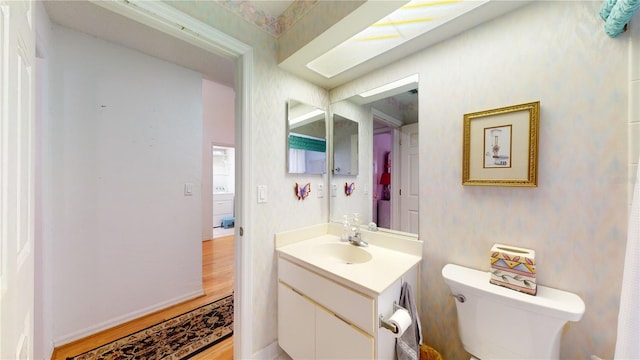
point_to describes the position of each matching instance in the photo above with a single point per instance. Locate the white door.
(409, 186)
(17, 53)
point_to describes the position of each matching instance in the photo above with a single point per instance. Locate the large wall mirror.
(389, 157)
(306, 139)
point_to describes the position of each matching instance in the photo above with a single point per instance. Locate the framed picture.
(500, 146)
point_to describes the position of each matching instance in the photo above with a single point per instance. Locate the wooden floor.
(217, 280)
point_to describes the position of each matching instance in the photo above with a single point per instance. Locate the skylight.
(409, 21)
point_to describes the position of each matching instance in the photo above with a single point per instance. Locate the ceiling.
(84, 16)
(97, 21)
(352, 24)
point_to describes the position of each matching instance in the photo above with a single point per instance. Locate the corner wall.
(634, 101)
(126, 136)
(272, 88)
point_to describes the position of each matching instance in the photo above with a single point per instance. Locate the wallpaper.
(273, 25)
(557, 53)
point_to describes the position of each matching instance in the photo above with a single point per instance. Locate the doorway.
(223, 188)
(216, 45)
(382, 155)
(395, 160)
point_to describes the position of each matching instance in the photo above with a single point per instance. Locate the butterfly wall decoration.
(349, 188)
(303, 191)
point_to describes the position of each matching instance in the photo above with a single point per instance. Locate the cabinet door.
(336, 339)
(296, 324)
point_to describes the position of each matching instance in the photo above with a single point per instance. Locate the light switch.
(320, 190)
(262, 194)
(188, 189)
(334, 190)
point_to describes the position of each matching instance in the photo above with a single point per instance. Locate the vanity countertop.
(372, 277)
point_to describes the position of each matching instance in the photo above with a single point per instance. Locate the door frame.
(394, 126)
(405, 178)
(171, 21)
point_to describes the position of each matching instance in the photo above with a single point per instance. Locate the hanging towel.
(616, 14)
(408, 345)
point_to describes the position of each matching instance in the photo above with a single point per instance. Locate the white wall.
(218, 125)
(126, 137)
(576, 219)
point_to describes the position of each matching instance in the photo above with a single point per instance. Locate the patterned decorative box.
(514, 268)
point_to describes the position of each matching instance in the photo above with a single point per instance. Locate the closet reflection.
(388, 117)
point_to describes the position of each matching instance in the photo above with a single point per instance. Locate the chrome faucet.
(356, 238)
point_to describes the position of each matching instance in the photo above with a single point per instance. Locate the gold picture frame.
(500, 146)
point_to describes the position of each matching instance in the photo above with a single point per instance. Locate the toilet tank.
(499, 323)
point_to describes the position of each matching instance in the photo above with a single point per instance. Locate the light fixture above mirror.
(404, 24)
(361, 17)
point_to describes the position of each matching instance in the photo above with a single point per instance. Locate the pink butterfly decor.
(349, 188)
(303, 191)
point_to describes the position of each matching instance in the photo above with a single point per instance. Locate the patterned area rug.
(180, 337)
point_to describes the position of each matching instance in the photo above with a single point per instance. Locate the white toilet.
(499, 323)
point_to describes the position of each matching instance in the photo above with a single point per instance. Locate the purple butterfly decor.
(303, 191)
(349, 188)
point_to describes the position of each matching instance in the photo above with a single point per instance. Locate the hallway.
(217, 282)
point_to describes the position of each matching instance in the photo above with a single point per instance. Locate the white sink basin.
(341, 253)
(369, 270)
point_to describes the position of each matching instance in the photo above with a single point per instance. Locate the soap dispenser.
(346, 229)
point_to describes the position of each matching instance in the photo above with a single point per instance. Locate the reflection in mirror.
(388, 116)
(306, 139)
(345, 146)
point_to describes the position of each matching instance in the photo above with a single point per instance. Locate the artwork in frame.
(500, 146)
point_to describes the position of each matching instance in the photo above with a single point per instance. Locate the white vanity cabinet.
(331, 294)
(310, 331)
(314, 320)
(299, 314)
(319, 318)
(337, 339)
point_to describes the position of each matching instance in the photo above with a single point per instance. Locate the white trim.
(395, 178)
(389, 120)
(124, 318)
(170, 20)
(395, 125)
(243, 258)
(269, 352)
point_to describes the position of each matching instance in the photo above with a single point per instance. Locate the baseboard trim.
(91, 330)
(49, 351)
(269, 352)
